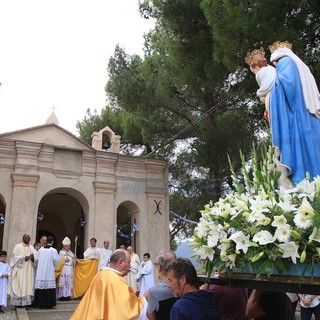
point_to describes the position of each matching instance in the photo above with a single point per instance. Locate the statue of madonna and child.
(292, 101)
(259, 228)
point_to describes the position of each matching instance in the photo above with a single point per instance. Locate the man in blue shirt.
(194, 304)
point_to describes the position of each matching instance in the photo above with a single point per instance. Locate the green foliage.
(224, 135)
(89, 124)
(239, 26)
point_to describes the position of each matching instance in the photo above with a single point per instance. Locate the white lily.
(221, 209)
(317, 182)
(290, 250)
(241, 202)
(259, 205)
(254, 216)
(202, 229)
(286, 205)
(230, 260)
(264, 221)
(315, 235)
(213, 237)
(205, 252)
(306, 188)
(263, 237)
(279, 221)
(242, 241)
(224, 247)
(306, 208)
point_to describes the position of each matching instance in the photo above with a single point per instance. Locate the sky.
(54, 54)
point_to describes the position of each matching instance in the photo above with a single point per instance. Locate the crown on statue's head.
(280, 44)
(255, 55)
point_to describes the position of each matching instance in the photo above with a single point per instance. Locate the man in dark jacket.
(194, 304)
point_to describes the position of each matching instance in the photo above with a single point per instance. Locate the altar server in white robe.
(45, 284)
(145, 274)
(93, 252)
(5, 272)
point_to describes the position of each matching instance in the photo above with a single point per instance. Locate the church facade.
(53, 183)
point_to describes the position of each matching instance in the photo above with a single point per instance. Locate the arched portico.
(61, 213)
(127, 225)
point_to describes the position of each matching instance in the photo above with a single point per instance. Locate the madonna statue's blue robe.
(295, 131)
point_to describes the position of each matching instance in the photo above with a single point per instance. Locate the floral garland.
(261, 223)
(135, 229)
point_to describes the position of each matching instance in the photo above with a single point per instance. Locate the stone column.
(105, 187)
(105, 213)
(157, 200)
(23, 215)
(157, 219)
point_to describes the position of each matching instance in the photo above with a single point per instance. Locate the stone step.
(62, 311)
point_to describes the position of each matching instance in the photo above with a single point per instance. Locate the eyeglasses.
(156, 264)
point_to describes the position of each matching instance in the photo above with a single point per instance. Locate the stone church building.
(55, 184)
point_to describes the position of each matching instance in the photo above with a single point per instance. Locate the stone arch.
(128, 216)
(62, 212)
(2, 218)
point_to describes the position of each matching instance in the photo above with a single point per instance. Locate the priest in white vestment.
(22, 265)
(134, 268)
(105, 254)
(145, 274)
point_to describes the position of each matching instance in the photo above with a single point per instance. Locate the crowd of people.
(177, 295)
(32, 280)
(37, 275)
(124, 287)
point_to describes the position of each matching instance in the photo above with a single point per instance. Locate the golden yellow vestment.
(59, 268)
(84, 272)
(108, 298)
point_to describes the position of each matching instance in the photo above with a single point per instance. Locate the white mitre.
(66, 241)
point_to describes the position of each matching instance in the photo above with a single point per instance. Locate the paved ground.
(62, 311)
(9, 313)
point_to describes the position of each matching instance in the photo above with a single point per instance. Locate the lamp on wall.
(1, 218)
(40, 216)
(82, 221)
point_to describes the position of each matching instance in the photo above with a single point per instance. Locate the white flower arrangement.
(260, 223)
